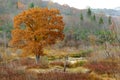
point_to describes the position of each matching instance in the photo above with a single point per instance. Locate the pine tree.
(101, 20)
(94, 17)
(81, 17)
(31, 5)
(89, 12)
(109, 20)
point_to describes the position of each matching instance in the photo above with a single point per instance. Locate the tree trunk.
(37, 58)
(65, 63)
(65, 66)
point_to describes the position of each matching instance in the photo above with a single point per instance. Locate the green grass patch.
(82, 53)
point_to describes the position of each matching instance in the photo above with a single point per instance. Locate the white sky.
(81, 4)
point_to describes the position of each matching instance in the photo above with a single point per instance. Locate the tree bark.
(65, 63)
(37, 58)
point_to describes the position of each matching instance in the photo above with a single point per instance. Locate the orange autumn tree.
(36, 28)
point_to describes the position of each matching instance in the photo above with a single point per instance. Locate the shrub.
(10, 74)
(80, 63)
(103, 67)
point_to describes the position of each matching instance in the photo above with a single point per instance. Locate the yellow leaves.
(43, 27)
(55, 11)
(18, 34)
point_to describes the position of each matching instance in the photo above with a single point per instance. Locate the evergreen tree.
(101, 20)
(94, 17)
(31, 5)
(89, 12)
(109, 20)
(81, 17)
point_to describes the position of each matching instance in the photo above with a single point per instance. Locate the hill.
(79, 29)
(111, 12)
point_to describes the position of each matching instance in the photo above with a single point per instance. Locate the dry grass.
(16, 68)
(10, 73)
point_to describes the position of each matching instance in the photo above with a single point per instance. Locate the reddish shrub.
(10, 74)
(64, 76)
(38, 66)
(27, 61)
(103, 67)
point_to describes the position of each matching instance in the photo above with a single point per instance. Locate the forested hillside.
(79, 24)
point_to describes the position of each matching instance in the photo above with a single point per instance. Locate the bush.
(80, 63)
(44, 61)
(7, 73)
(103, 67)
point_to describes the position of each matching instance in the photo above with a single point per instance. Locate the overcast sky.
(81, 4)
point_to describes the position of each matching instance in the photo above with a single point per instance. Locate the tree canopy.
(36, 28)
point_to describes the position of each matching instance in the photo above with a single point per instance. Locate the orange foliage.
(36, 28)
